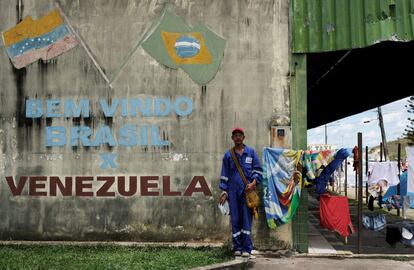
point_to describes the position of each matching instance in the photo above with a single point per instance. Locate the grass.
(107, 257)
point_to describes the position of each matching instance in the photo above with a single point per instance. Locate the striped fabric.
(44, 38)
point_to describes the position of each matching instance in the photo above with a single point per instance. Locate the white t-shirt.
(387, 170)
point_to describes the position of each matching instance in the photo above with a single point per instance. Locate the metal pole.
(339, 178)
(380, 152)
(19, 7)
(384, 139)
(399, 174)
(346, 177)
(366, 173)
(360, 193)
(326, 135)
(356, 183)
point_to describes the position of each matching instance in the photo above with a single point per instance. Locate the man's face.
(238, 138)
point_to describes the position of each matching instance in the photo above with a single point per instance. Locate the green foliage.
(409, 131)
(107, 257)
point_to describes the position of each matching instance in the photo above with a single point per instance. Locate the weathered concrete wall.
(250, 90)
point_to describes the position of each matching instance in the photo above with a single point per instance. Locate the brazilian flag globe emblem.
(197, 50)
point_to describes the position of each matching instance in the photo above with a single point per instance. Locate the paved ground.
(372, 242)
(325, 263)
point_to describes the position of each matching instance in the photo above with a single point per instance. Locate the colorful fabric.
(44, 38)
(196, 50)
(393, 190)
(334, 214)
(319, 166)
(282, 184)
(393, 202)
(315, 162)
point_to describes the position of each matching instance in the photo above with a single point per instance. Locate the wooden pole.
(380, 152)
(366, 173)
(384, 139)
(360, 193)
(346, 177)
(339, 178)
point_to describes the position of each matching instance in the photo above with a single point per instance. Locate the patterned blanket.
(282, 184)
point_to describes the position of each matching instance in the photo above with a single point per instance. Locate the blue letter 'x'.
(108, 161)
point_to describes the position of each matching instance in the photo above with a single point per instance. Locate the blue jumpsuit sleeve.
(257, 171)
(224, 178)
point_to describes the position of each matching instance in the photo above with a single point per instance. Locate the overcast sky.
(343, 133)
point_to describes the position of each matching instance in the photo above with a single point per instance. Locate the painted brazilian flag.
(196, 50)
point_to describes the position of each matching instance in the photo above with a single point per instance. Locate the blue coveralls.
(232, 183)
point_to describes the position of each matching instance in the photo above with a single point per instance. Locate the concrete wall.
(250, 90)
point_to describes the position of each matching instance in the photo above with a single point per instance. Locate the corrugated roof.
(329, 25)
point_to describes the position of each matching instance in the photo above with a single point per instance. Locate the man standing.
(234, 189)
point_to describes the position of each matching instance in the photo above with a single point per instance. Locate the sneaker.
(245, 254)
(237, 253)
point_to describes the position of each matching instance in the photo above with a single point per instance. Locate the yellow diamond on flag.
(186, 48)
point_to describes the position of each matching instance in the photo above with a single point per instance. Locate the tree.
(409, 131)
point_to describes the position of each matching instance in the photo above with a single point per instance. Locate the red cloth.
(356, 159)
(334, 214)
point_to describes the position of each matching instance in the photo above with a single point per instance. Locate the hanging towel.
(282, 184)
(334, 214)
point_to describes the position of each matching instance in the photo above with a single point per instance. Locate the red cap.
(237, 129)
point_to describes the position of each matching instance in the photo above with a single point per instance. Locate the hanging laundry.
(377, 191)
(374, 221)
(282, 184)
(387, 171)
(371, 203)
(393, 190)
(321, 165)
(393, 202)
(382, 175)
(334, 214)
(356, 159)
(315, 162)
(410, 174)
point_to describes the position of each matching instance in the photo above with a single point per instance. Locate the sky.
(343, 133)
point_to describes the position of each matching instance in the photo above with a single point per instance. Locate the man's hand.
(250, 187)
(223, 197)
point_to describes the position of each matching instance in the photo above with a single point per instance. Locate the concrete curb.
(117, 243)
(358, 256)
(236, 264)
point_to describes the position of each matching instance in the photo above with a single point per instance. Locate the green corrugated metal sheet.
(329, 25)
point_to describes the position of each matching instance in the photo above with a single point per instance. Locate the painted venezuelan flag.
(44, 38)
(186, 48)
